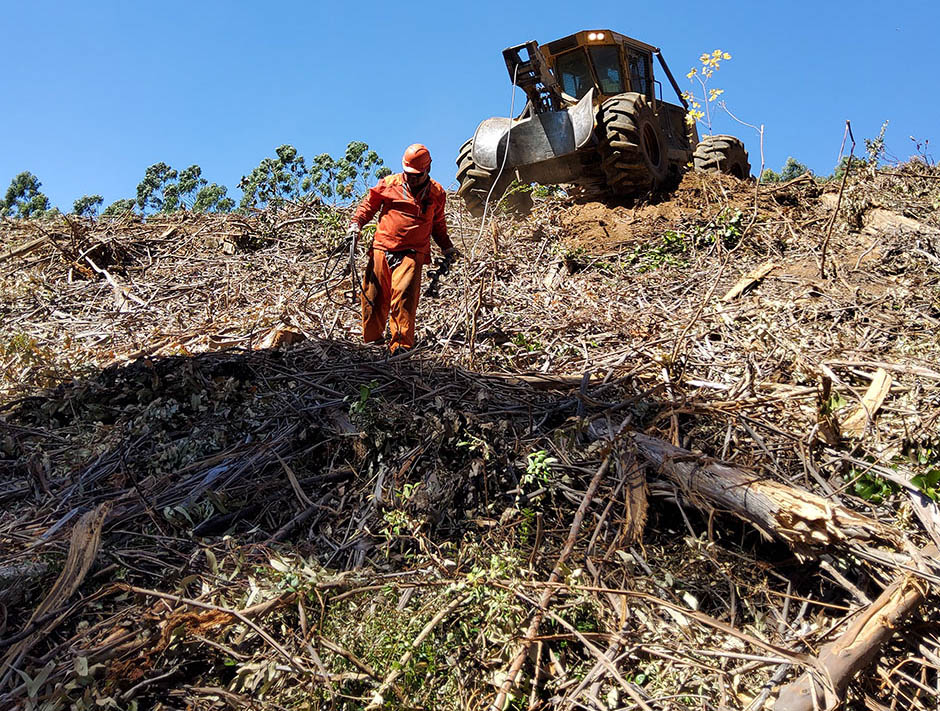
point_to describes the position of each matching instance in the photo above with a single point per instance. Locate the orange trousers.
(391, 295)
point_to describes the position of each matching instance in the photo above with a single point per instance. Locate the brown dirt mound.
(598, 227)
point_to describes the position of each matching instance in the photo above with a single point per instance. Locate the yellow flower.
(726, 56)
(717, 54)
(692, 73)
(703, 58)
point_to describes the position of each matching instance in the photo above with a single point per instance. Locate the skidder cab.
(595, 119)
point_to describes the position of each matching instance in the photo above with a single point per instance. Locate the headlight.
(592, 36)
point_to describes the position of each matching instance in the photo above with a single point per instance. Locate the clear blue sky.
(93, 92)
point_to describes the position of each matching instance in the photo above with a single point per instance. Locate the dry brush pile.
(667, 455)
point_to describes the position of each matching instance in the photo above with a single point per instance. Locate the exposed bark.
(86, 539)
(805, 522)
(16, 579)
(856, 648)
(801, 519)
(24, 249)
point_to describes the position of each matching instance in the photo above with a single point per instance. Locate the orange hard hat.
(417, 159)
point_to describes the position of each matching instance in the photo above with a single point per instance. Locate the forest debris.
(748, 280)
(24, 249)
(555, 275)
(802, 519)
(189, 443)
(281, 336)
(878, 220)
(516, 666)
(86, 537)
(636, 501)
(839, 661)
(15, 579)
(856, 423)
(378, 698)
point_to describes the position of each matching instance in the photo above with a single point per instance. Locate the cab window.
(574, 74)
(640, 74)
(606, 60)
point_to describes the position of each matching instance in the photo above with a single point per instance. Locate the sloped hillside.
(649, 456)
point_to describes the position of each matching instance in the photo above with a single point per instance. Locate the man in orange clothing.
(411, 211)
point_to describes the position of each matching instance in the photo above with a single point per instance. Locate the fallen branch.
(856, 648)
(86, 539)
(802, 519)
(24, 248)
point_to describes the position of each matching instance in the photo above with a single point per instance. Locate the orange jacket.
(406, 222)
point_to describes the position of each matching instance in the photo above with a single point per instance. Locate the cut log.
(795, 516)
(805, 522)
(856, 648)
(24, 248)
(16, 579)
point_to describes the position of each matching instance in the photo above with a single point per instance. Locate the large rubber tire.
(476, 181)
(722, 154)
(631, 144)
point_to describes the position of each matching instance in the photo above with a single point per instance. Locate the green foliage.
(119, 208)
(20, 343)
(927, 459)
(834, 403)
(727, 228)
(875, 147)
(529, 343)
(343, 180)
(875, 150)
(928, 483)
(669, 252)
(23, 198)
(546, 191)
(538, 468)
(397, 523)
(87, 205)
(187, 187)
(871, 487)
(274, 181)
(506, 205)
(213, 198)
(791, 170)
(151, 191)
(361, 406)
(163, 189)
(856, 163)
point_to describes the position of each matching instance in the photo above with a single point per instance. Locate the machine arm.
(672, 79)
(533, 76)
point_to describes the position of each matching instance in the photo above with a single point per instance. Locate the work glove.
(452, 254)
(352, 233)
